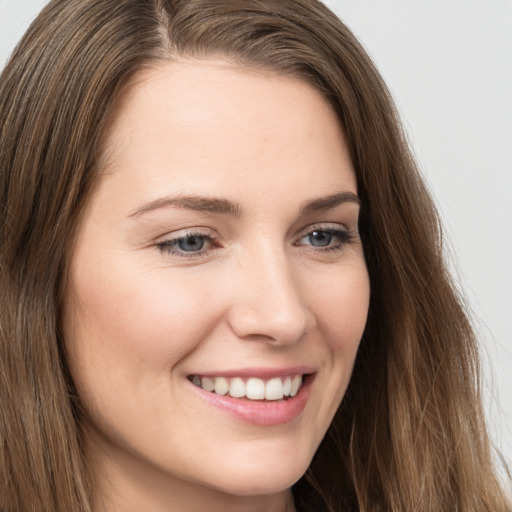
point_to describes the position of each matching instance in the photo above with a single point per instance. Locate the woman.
(222, 274)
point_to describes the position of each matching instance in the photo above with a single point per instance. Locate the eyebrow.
(329, 202)
(198, 203)
(225, 207)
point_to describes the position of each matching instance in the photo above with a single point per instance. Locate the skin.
(140, 319)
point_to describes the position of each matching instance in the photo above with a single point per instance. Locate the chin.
(247, 480)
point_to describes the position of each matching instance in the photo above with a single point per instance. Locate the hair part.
(410, 433)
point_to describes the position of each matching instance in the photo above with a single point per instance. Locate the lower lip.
(264, 413)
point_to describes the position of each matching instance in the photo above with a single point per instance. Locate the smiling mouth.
(253, 388)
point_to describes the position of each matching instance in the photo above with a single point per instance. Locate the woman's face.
(220, 249)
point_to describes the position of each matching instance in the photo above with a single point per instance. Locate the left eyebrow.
(326, 203)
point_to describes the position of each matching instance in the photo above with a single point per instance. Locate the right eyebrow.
(197, 203)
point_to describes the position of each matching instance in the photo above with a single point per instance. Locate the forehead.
(192, 123)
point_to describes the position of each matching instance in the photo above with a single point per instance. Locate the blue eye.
(191, 243)
(320, 238)
(324, 239)
(188, 245)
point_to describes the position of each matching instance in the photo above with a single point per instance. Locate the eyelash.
(170, 246)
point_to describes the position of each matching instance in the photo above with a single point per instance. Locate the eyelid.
(183, 233)
(325, 226)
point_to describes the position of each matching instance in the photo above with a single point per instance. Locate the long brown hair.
(409, 434)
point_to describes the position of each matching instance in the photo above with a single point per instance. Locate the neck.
(134, 500)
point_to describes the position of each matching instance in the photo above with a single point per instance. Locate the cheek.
(127, 330)
(126, 333)
(134, 314)
(341, 308)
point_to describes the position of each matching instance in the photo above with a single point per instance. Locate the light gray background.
(449, 66)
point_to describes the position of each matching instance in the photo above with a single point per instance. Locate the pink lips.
(262, 412)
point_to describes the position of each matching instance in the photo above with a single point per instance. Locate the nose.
(268, 301)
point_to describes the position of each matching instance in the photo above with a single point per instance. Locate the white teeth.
(254, 388)
(237, 387)
(287, 386)
(221, 386)
(274, 389)
(207, 384)
(296, 383)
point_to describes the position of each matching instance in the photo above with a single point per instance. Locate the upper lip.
(261, 373)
